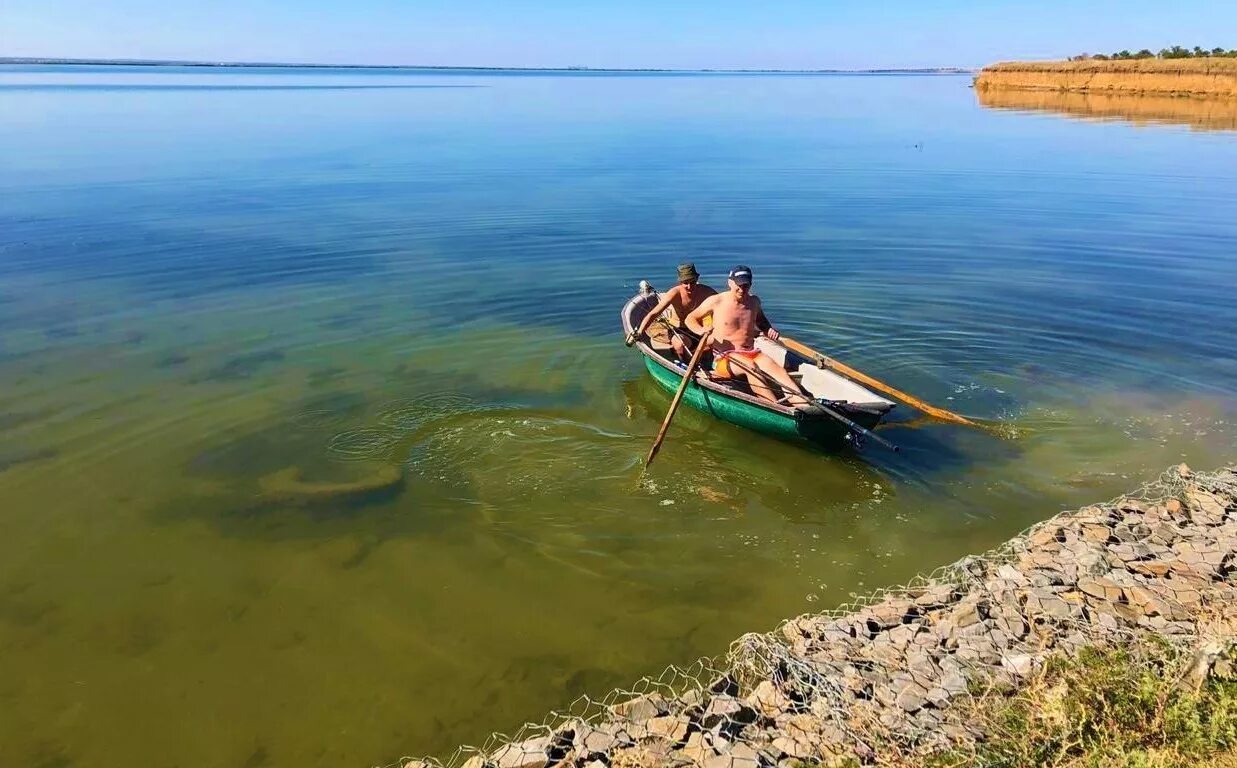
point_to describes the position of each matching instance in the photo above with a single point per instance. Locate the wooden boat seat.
(827, 385)
(822, 383)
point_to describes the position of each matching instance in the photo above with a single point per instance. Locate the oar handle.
(678, 396)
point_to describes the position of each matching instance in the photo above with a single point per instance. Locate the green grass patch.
(1111, 708)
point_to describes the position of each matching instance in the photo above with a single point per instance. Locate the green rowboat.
(841, 404)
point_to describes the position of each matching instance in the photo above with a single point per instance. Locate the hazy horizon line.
(319, 65)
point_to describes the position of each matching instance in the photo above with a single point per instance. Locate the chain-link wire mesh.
(881, 679)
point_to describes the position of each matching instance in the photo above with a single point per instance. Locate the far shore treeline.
(1176, 52)
(1210, 76)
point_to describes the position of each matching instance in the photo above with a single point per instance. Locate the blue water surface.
(226, 294)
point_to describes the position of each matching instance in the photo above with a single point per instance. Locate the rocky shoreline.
(890, 678)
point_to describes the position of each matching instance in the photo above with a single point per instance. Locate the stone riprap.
(887, 678)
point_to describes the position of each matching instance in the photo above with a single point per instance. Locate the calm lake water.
(225, 293)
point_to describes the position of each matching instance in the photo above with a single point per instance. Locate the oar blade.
(678, 396)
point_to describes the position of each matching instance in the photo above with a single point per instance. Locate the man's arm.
(762, 322)
(653, 314)
(695, 320)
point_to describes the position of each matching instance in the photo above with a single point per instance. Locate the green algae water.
(319, 444)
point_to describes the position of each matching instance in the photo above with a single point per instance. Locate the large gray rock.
(1046, 603)
(883, 652)
(1009, 573)
(1100, 588)
(1131, 531)
(1206, 508)
(912, 697)
(1018, 664)
(739, 756)
(970, 610)
(589, 741)
(670, 727)
(726, 709)
(1090, 561)
(935, 596)
(922, 667)
(692, 698)
(890, 613)
(901, 636)
(797, 748)
(1133, 551)
(525, 754)
(768, 700)
(1045, 535)
(699, 747)
(1095, 533)
(642, 707)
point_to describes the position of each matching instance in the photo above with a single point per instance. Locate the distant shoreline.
(1207, 77)
(285, 65)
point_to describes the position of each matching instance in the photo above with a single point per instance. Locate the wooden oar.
(674, 404)
(846, 370)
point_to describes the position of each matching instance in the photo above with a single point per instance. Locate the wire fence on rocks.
(882, 678)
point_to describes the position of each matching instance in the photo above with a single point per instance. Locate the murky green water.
(225, 303)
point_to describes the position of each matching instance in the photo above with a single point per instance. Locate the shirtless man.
(684, 297)
(737, 320)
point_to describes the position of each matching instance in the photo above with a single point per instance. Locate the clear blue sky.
(617, 33)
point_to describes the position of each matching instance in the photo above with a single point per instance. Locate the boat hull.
(842, 410)
(822, 430)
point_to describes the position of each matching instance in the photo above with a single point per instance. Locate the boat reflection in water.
(1203, 114)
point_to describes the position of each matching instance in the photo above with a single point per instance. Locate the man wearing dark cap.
(682, 298)
(737, 320)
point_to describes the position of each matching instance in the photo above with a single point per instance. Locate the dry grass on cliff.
(1126, 707)
(1199, 66)
(1211, 77)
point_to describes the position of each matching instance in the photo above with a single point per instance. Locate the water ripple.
(363, 443)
